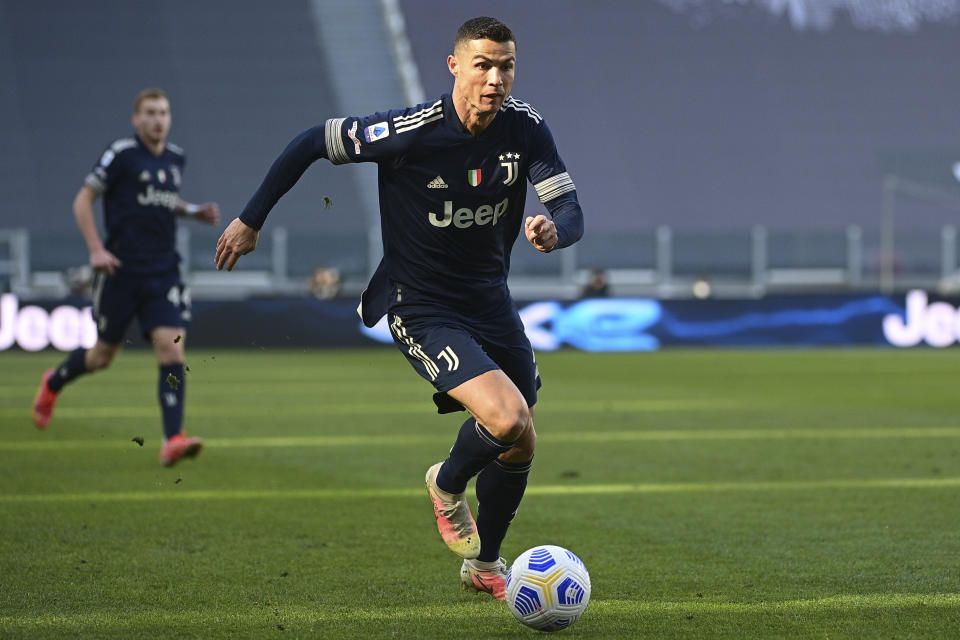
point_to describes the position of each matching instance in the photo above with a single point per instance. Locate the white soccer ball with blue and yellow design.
(548, 588)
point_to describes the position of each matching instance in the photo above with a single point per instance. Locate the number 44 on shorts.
(448, 356)
(179, 296)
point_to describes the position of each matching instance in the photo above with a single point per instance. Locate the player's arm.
(240, 236)
(100, 258)
(208, 212)
(561, 229)
(336, 140)
(556, 191)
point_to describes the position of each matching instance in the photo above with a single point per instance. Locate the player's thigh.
(165, 302)
(441, 351)
(494, 400)
(115, 302)
(507, 345)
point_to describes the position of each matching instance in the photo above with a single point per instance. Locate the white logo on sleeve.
(376, 132)
(107, 158)
(352, 134)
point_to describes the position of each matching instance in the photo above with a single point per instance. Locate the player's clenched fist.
(236, 240)
(541, 232)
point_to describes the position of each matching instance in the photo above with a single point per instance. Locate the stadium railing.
(663, 262)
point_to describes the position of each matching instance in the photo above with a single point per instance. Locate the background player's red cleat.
(179, 446)
(43, 403)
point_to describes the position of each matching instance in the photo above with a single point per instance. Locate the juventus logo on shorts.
(453, 362)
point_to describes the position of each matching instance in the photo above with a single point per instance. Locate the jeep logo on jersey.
(466, 217)
(159, 197)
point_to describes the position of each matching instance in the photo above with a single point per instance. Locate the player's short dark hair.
(149, 94)
(483, 28)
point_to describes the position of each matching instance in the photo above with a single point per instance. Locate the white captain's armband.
(554, 186)
(336, 150)
(97, 180)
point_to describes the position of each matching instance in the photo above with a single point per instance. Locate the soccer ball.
(548, 588)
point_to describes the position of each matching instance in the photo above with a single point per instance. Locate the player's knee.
(169, 356)
(99, 359)
(510, 423)
(523, 450)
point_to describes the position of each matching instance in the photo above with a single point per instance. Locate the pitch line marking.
(171, 493)
(147, 410)
(545, 437)
(299, 614)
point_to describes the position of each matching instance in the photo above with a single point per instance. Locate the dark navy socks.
(170, 392)
(69, 369)
(474, 449)
(500, 488)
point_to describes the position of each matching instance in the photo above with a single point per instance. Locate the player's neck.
(472, 120)
(155, 147)
(475, 123)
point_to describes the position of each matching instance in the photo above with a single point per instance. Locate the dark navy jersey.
(140, 191)
(451, 203)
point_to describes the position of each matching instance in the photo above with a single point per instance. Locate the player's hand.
(103, 260)
(236, 240)
(541, 232)
(209, 212)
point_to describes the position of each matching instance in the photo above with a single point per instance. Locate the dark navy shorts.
(448, 349)
(156, 301)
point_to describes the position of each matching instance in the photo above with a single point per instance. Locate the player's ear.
(452, 65)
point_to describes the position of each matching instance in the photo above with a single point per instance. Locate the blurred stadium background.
(754, 173)
(749, 150)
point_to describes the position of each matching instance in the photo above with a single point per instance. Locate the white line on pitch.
(545, 437)
(174, 493)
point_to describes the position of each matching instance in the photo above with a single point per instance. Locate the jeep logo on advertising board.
(937, 323)
(32, 328)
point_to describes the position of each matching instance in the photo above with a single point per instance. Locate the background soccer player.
(137, 270)
(452, 188)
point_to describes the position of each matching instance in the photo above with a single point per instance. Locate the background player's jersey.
(451, 203)
(140, 191)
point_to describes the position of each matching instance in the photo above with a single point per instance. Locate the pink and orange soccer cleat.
(454, 520)
(43, 402)
(485, 577)
(179, 446)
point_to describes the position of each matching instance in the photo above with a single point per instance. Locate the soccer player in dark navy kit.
(452, 180)
(137, 270)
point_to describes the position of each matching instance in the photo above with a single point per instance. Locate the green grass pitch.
(711, 494)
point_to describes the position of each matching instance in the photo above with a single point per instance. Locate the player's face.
(484, 73)
(152, 120)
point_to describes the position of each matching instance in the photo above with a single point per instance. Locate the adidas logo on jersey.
(437, 183)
